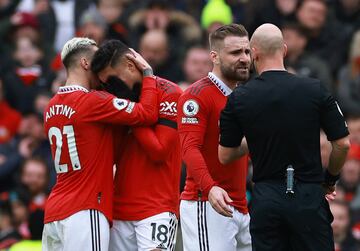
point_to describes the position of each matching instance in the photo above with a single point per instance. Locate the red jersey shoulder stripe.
(198, 86)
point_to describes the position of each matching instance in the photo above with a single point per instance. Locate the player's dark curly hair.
(109, 53)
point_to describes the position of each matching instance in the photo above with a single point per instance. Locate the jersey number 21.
(74, 157)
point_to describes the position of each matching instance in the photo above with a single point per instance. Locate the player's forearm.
(150, 142)
(148, 102)
(338, 155)
(197, 168)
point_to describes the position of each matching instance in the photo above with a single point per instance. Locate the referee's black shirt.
(281, 115)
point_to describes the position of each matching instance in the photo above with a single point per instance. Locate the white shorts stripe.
(80, 231)
(203, 229)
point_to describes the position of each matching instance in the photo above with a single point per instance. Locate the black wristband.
(330, 179)
(148, 72)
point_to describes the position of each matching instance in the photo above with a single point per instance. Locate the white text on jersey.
(59, 110)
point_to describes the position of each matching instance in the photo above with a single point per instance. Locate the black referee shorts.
(284, 222)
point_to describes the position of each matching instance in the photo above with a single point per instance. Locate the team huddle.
(143, 132)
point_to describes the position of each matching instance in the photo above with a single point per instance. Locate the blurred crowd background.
(323, 39)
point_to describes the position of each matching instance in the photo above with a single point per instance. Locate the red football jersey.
(78, 125)
(198, 120)
(148, 172)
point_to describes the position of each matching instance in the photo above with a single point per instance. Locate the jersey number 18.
(74, 157)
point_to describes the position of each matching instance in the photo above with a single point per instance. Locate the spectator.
(181, 29)
(215, 14)
(93, 25)
(303, 63)
(67, 14)
(41, 101)
(350, 175)
(343, 238)
(354, 129)
(30, 142)
(35, 227)
(19, 201)
(348, 13)
(197, 64)
(59, 80)
(277, 12)
(8, 233)
(9, 119)
(28, 77)
(35, 177)
(154, 47)
(8, 7)
(327, 39)
(112, 11)
(19, 25)
(349, 80)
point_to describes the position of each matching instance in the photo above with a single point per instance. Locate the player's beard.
(120, 89)
(230, 72)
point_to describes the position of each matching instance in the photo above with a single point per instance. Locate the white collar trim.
(219, 84)
(71, 88)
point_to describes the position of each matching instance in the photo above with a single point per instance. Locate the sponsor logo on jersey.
(186, 120)
(168, 108)
(190, 108)
(120, 103)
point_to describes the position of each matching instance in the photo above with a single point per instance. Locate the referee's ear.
(254, 54)
(285, 50)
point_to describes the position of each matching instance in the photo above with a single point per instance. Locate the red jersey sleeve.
(104, 107)
(157, 140)
(192, 122)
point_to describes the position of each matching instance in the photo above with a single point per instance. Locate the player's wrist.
(148, 72)
(330, 179)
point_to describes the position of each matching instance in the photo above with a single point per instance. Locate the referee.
(281, 114)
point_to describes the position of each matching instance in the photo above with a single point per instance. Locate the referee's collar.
(219, 84)
(71, 88)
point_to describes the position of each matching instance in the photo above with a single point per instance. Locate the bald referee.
(281, 114)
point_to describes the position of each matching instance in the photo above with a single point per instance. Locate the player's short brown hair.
(217, 37)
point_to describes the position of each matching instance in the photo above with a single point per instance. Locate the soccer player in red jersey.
(146, 198)
(225, 224)
(78, 123)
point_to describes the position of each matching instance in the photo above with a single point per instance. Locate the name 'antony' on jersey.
(65, 110)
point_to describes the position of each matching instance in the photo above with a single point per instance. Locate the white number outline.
(73, 153)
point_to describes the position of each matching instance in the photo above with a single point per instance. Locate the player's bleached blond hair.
(74, 46)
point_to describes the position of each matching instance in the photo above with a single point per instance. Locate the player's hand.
(139, 61)
(219, 200)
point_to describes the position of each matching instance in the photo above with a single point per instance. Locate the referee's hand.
(330, 192)
(219, 200)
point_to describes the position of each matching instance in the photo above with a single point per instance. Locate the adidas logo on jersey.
(161, 246)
